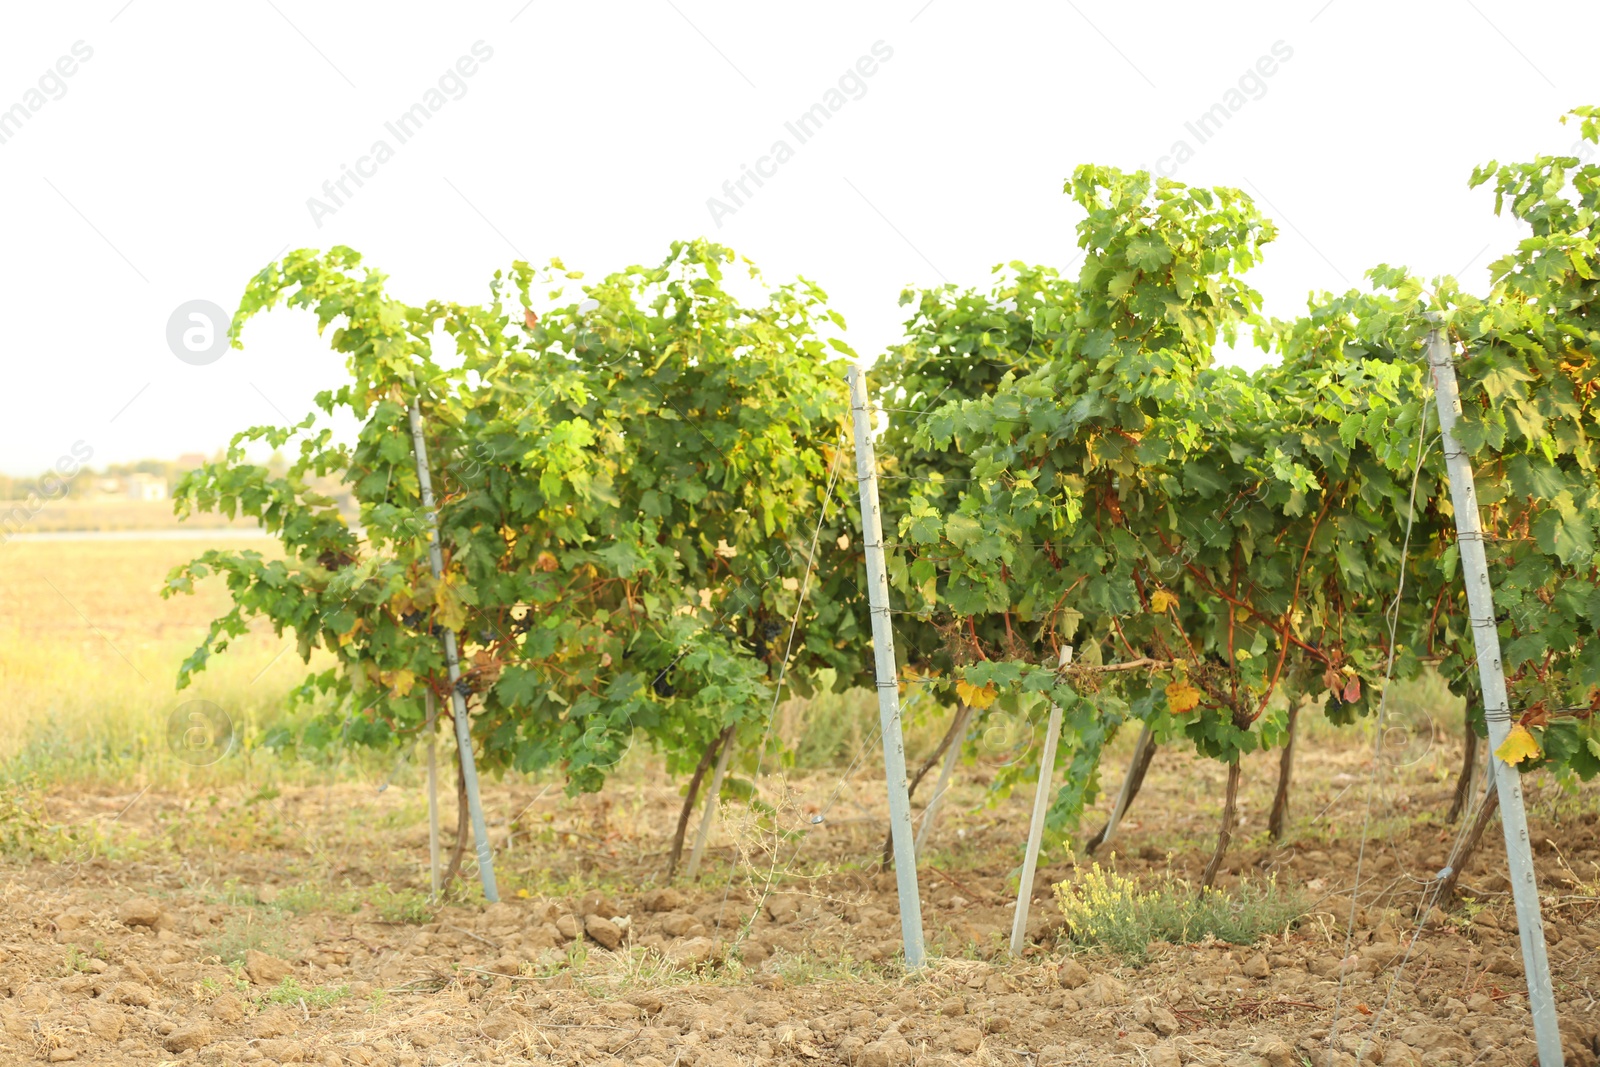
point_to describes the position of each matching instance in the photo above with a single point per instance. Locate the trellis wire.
(783, 666)
(1383, 703)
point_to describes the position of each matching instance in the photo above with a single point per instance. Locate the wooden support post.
(952, 756)
(430, 727)
(709, 815)
(1144, 750)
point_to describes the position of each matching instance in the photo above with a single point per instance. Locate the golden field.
(116, 514)
(89, 655)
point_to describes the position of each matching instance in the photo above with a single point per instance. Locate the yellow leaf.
(974, 696)
(450, 611)
(1161, 600)
(1518, 746)
(1182, 697)
(401, 681)
(348, 636)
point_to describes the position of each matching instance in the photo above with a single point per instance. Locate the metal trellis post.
(888, 684)
(1041, 805)
(458, 703)
(1496, 705)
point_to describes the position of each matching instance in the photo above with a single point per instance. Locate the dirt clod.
(264, 969)
(105, 1023)
(1157, 1018)
(680, 924)
(891, 1050)
(966, 1039)
(692, 952)
(1163, 1055)
(191, 1035)
(282, 1050)
(1429, 1038)
(500, 1025)
(139, 911)
(603, 930)
(666, 899)
(1102, 991)
(1274, 1051)
(133, 994)
(1072, 974)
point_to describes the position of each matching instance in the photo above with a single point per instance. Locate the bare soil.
(785, 951)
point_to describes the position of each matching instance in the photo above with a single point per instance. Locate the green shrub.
(24, 831)
(1107, 910)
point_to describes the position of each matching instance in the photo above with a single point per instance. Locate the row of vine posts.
(1096, 520)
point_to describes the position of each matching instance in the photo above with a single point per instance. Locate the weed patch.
(292, 992)
(401, 905)
(262, 931)
(1106, 910)
(24, 832)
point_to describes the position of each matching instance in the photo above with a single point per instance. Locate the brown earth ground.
(116, 949)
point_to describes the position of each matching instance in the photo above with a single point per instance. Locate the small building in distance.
(145, 487)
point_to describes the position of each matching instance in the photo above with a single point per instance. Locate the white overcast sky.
(178, 159)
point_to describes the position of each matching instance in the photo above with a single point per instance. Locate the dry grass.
(116, 514)
(89, 654)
